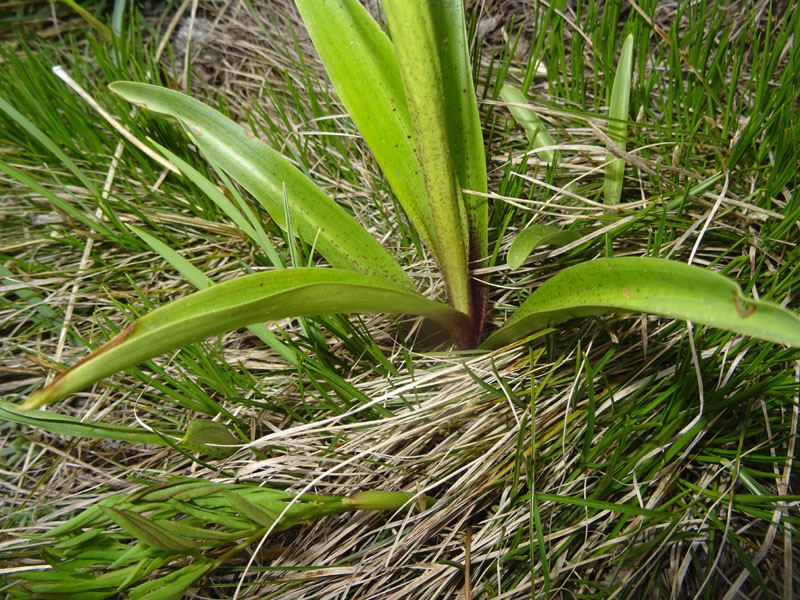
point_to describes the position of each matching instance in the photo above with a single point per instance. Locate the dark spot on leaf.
(743, 308)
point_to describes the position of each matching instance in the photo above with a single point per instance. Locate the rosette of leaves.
(420, 120)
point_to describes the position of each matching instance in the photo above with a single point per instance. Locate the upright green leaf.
(362, 65)
(416, 47)
(465, 138)
(250, 299)
(648, 285)
(263, 172)
(618, 121)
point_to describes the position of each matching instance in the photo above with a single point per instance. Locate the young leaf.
(210, 438)
(648, 285)
(416, 47)
(534, 236)
(264, 173)
(534, 127)
(253, 298)
(618, 121)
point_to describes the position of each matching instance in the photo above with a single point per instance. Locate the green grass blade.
(416, 47)
(358, 56)
(648, 285)
(66, 425)
(534, 236)
(250, 299)
(217, 197)
(60, 204)
(618, 121)
(263, 172)
(535, 129)
(48, 143)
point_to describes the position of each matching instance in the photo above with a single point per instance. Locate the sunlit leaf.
(267, 296)
(648, 285)
(416, 47)
(264, 173)
(534, 236)
(358, 56)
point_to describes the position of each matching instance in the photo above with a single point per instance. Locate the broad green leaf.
(416, 48)
(618, 121)
(202, 281)
(648, 285)
(465, 138)
(534, 127)
(66, 425)
(250, 299)
(361, 63)
(264, 173)
(534, 236)
(202, 432)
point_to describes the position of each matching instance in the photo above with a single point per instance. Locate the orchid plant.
(420, 119)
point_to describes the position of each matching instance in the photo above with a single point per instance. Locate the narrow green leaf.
(600, 505)
(416, 47)
(104, 31)
(648, 285)
(217, 197)
(358, 56)
(535, 129)
(618, 121)
(210, 438)
(264, 173)
(253, 298)
(534, 236)
(60, 204)
(174, 585)
(465, 138)
(150, 532)
(66, 425)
